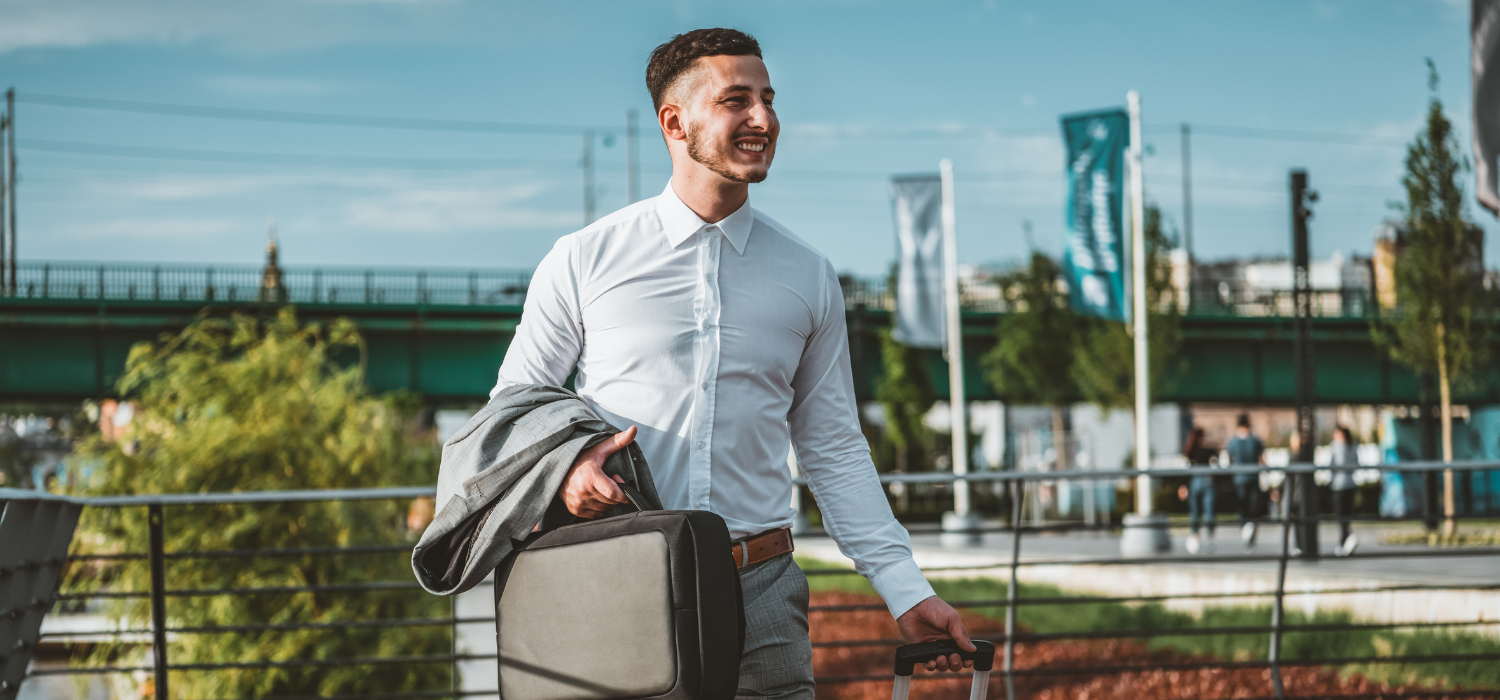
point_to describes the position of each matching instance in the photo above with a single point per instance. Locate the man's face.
(730, 123)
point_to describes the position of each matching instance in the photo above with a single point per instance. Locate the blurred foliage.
(1032, 360)
(1439, 267)
(1104, 364)
(242, 404)
(906, 394)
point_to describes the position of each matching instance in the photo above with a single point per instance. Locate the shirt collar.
(680, 222)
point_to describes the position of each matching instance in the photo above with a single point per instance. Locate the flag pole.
(961, 519)
(1143, 504)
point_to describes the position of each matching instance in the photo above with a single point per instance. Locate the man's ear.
(672, 124)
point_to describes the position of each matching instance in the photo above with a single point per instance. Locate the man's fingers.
(959, 634)
(607, 492)
(622, 439)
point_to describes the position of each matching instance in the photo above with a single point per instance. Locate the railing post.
(1278, 607)
(156, 283)
(453, 644)
(1017, 488)
(473, 287)
(158, 600)
(101, 283)
(46, 280)
(368, 275)
(209, 289)
(317, 285)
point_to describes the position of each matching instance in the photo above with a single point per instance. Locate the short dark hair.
(1243, 422)
(670, 60)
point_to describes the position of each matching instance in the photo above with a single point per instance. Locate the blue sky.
(865, 90)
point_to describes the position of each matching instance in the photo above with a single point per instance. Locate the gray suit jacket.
(500, 475)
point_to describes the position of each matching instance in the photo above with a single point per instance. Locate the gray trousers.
(777, 662)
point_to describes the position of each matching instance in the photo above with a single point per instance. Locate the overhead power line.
(1256, 133)
(312, 118)
(242, 157)
(813, 131)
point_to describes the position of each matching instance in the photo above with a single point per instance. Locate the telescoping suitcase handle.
(910, 655)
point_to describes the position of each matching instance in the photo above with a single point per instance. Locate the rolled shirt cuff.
(902, 585)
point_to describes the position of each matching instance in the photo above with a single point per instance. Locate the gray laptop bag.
(642, 605)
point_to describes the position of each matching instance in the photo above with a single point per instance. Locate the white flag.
(1485, 24)
(920, 314)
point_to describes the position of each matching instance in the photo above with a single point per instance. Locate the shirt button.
(700, 444)
(705, 386)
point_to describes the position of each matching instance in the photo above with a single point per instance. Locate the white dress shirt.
(725, 344)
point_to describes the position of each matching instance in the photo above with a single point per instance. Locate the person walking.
(718, 336)
(1246, 449)
(1342, 454)
(1200, 490)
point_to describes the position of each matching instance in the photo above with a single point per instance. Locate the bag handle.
(910, 655)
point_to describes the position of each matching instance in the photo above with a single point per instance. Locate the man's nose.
(761, 117)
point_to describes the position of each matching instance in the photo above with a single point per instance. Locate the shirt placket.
(707, 364)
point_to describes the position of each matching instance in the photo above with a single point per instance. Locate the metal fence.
(162, 591)
(247, 283)
(349, 285)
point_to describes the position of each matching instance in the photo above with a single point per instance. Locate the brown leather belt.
(758, 548)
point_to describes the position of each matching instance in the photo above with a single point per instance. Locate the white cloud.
(456, 208)
(153, 229)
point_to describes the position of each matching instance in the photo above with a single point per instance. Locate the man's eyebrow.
(746, 88)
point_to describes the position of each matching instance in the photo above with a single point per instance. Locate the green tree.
(1032, 361)
(905, 392)
(1104, 365)
(1438, 275)
(241, 404)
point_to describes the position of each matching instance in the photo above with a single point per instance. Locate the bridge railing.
(352, 285)
(248, 283)
(89, 583)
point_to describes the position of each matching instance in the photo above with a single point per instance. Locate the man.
(1245, 449)
(719, 338)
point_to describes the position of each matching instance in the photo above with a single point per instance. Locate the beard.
(717, 161)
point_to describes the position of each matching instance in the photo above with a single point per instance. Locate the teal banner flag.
(1094, 251)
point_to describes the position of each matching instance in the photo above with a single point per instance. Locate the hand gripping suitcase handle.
(910, 655)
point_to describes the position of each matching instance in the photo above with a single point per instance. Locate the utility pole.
(1306, 496)
(10, 180)
(4, 196)
(1187, 197)
(632, 159)
(588, 178)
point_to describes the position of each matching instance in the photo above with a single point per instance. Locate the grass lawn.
(1088, 617)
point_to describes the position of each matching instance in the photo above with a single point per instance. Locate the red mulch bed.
(1146, 685)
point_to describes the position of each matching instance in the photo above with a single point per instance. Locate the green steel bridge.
(67, 328)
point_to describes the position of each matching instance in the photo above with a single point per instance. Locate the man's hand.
(930, 621)
(586, 491)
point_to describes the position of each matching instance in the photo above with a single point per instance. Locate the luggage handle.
(910, 655)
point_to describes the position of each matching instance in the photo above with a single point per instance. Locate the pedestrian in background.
(1200, 489)
(1342, 454)
(1246, 449)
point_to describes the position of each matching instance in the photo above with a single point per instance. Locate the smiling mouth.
(751, 147)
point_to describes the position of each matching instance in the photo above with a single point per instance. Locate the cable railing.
(90, 586)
